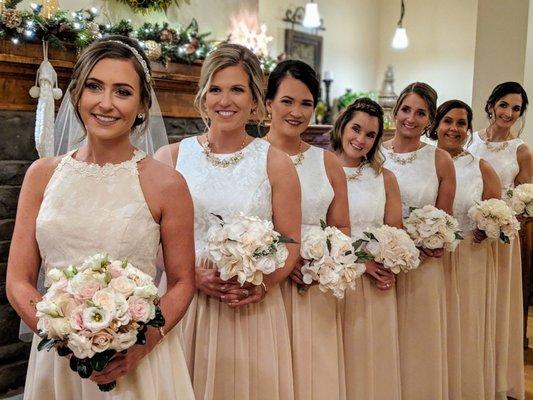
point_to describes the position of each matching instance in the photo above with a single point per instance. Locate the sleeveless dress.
(314, 316)
(88, 209)
(475, 270)
(421, 294)
(231, 353)
(509, 301)
(370, 322)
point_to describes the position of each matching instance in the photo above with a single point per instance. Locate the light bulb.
(400, 41)
(311, 16)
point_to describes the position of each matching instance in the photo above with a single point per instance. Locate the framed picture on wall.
(304, 47)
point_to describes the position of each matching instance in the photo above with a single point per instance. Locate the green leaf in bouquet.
(84, 368)
(411, 209)
(73, 363)
(286, 239)
(158, 320)
(509, 193)
(323, 224)
(46, 344)
(63, 351)
(100, 360)
(328, 244)
(504, 238)
(107, 387)
(357, 244)
(458, 235)
(363, 256)
(141, 338)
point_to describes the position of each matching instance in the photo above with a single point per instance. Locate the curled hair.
(298, 70)
(370, 107)
(444, 109)
(503, 89)
(108, 48)
(228, 55)
(426, 92)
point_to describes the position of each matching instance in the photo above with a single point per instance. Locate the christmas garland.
(149, 6)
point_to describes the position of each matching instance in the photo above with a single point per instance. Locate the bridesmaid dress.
(509, 301)
(241, 353)
(314, 316)
(421, 294)
(370, 321)
(89, 209)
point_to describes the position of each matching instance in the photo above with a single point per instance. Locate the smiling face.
(110, 99)
(507, 110)
(452, 131)
(292, 107)
(359, 135)
(412, 116)
(229, 100)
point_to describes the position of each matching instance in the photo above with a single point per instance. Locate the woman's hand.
(425, 253)
(479, 235)
(382, 277)
(208, 281)
(256, 294)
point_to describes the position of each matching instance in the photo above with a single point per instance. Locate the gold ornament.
(2, 5)
(12, 18)
(152, 49)
(50, 7)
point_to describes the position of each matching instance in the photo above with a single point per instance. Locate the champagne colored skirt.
(161, 374)
(509, 321)
(421, 296)
(371, 349)
(243, 353)
(316, 337)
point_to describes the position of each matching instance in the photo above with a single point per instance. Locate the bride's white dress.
(88, 209)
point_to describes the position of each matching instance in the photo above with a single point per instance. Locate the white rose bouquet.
(495, 218)
(246, 247)
(96, 310)
(329, 259)
(520, 199)
(389, 246)
(432, 228)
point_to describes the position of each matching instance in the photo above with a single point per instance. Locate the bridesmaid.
(473, 261)
(316, 337)
(370, 323)
(425, 175)
(511, 158)
(236, 339)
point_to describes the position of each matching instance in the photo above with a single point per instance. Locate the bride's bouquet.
(432, 228)
(93, 311)
(520, 199)
(246, 247)
(389, 246)
(329, 259)
(495, 218)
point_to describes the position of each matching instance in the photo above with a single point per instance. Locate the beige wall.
(527, 134)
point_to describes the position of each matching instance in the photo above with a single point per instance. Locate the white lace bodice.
(469, 189)
(89, 209)
(504, 161)
(418, 181)
(317, 193)
(242, 187)
(366, 198)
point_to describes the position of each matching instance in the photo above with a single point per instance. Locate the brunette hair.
(426, 92)
(298, 70)
(444, 109)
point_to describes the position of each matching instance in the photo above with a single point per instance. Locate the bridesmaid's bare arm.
(24, 257)
(492, 187)
(446, 174)
(338, 213)
(393, 202)
(525, 161)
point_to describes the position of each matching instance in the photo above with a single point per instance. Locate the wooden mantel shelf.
(175, 85)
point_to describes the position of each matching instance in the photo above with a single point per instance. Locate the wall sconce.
(400, 40)
(308, 17)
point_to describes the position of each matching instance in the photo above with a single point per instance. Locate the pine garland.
(150, 6)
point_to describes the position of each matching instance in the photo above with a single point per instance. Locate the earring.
(140, 116)
(253, 111)
(269, 116)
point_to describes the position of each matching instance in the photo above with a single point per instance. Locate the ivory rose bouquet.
(246, 247)
(389, 246)
(520, 199)
(432, 228)
(329, 259)
(93, 311)
(495, 218)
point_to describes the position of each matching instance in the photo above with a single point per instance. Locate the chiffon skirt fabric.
(509, 321)
(240, 353)
(161, 375)
(371, 349)
(421, 297)
(316, 338)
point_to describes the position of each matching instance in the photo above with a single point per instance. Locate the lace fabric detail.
(469, 189)
(108, 169)
(242, 187)
(317, 193)
(418, 181)
(504, 162)
(366, 199)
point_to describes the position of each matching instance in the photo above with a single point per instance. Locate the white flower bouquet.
(246, 247)
(96, 310)
(520, 199)
(432, 228)
(495, 218)
(329, 259)
(389, 246)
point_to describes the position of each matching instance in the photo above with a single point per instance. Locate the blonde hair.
(370, 107)
(227, 55)
(109, 48)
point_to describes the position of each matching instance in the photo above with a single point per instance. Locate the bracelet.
(162, 334)
(264, 287)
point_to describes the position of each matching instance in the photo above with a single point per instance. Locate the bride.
(107, 196)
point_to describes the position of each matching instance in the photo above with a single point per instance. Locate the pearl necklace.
(401, 160)
(357, 173)
(218, 162)
(495, 147)
(300, 156)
